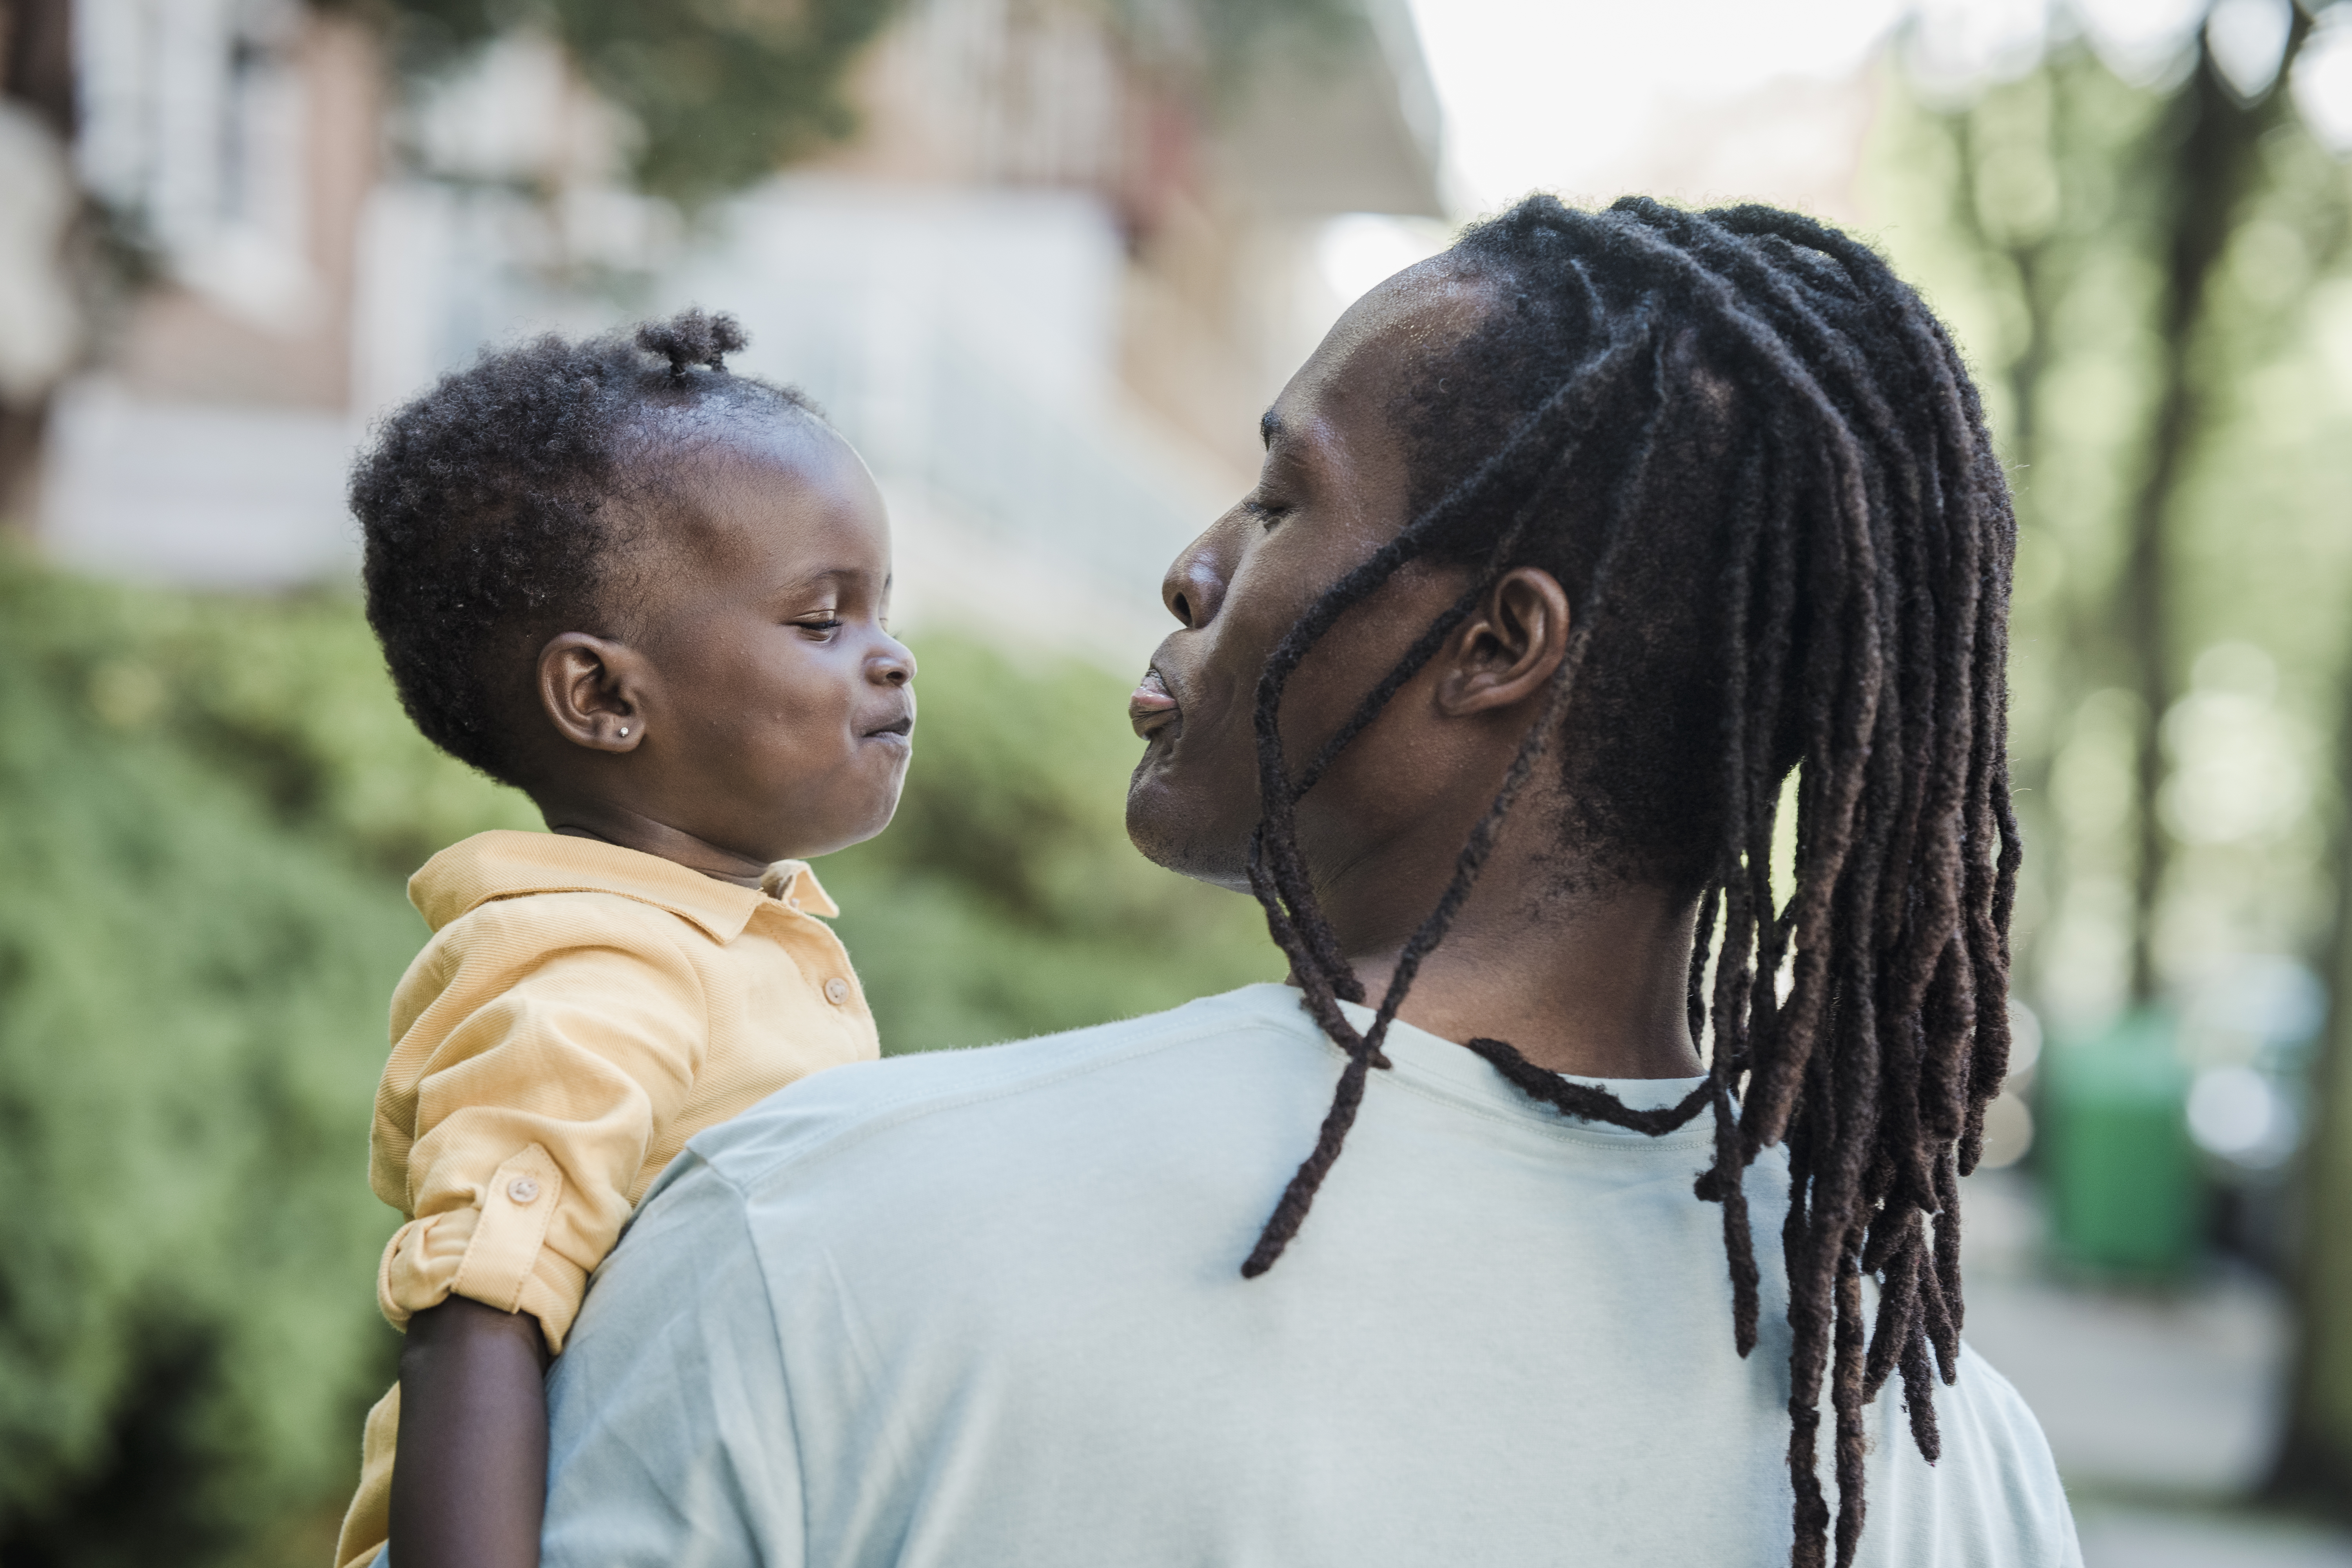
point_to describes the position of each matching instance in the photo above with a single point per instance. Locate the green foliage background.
(2181, 667)
(718, 93)
(2034, 216)
(208, 807)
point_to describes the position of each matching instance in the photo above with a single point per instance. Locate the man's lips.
(898, 729)
(1150, 708)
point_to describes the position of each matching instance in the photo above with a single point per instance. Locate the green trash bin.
(2121, 1178)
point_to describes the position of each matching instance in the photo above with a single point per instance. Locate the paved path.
(2150, 1538)
(2159, 1396)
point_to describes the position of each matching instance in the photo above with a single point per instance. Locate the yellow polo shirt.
(580, 1010)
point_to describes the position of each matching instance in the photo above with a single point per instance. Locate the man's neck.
(1592, 984)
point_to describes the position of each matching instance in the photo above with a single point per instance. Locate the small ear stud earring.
(624, 728)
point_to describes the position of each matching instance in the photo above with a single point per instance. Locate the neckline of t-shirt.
(1453, 1070)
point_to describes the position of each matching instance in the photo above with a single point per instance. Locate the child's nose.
(894, 665)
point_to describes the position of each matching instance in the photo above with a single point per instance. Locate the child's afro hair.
(483, 504)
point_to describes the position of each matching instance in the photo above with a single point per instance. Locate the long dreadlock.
(1745, 422)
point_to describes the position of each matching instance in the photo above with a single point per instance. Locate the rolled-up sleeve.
(521, 1101)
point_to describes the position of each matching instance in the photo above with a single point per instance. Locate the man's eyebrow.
(1269, 428)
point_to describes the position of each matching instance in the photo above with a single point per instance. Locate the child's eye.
(821, 624)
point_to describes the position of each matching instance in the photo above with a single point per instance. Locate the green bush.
(191, 997)
(207, 808)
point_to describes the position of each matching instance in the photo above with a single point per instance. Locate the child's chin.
(844, 834)
(885, 809)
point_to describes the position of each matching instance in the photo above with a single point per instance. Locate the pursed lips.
(1151, 708)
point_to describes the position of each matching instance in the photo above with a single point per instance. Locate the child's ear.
(589, 688)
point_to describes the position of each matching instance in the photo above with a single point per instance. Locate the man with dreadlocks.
(1571, 546)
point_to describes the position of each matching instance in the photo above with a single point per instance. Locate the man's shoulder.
(1992, 1500)
(943, 1096)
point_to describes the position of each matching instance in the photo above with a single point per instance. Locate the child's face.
(778, 709)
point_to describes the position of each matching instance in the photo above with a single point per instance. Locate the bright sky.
(1567, 95)
(1545, 94)
(1562, 94)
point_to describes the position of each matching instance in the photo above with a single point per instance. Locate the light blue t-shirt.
(985, 1307)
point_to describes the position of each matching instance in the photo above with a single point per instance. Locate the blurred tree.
(2151, 276)
(2202, 161)
(2027, 172)
(36, 78)
(189, 994)
(2315, 1460)
(1218, 43)
(37, 58)
(724, 93)
(2069, 182)
(720, 94)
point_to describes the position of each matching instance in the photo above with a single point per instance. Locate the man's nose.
(1195, 585)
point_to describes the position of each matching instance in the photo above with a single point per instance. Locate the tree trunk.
(2316, 1458)
(36, 59)
(37, 73)
(2208, 161)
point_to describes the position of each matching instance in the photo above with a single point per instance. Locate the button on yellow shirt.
(579, 1013)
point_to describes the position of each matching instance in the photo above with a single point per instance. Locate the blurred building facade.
(1047, 286)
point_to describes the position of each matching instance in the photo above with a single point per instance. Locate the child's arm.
(521, 1120)
(471, 1480)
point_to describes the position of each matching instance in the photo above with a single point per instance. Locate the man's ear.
(591, 690)
(1508, 648)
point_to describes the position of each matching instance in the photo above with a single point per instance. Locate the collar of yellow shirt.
(504, 865)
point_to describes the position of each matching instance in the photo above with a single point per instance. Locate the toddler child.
(650, 595)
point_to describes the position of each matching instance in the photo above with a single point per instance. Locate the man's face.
(1333, 490)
